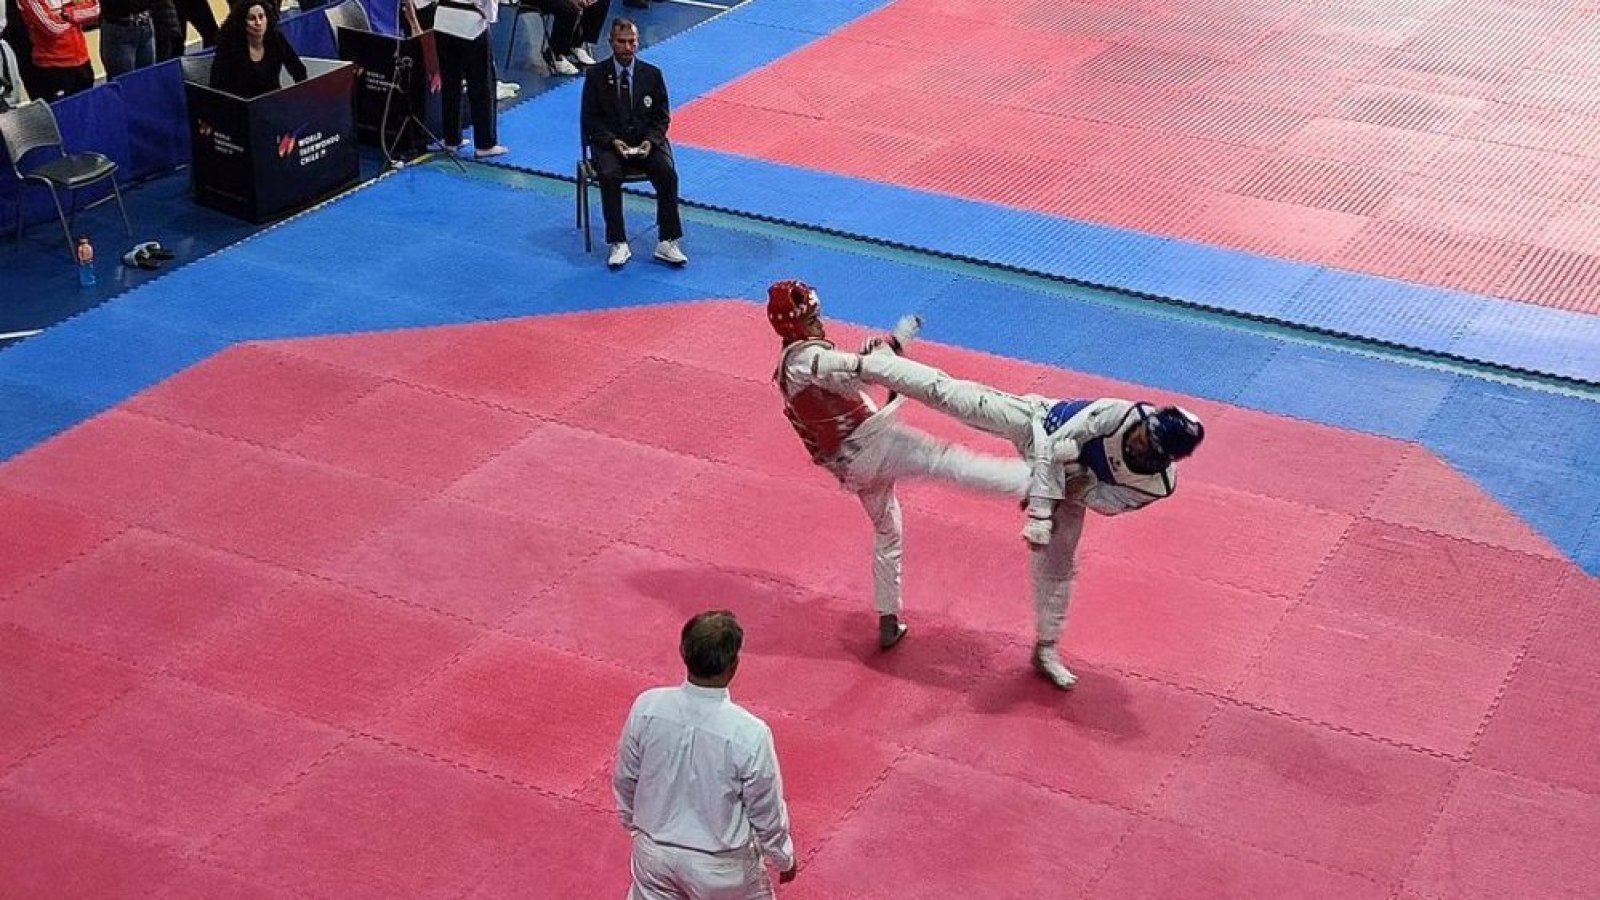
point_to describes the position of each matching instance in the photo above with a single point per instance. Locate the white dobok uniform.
(868, 449)
(1087, 435)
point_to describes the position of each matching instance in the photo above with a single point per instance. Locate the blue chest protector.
(1093, 453)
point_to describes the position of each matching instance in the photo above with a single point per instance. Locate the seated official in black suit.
(625, 118)
(252, 53)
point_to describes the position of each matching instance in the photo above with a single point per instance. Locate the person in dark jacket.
(624, 119)
(252, 53)
(198, 13)
(169, 30)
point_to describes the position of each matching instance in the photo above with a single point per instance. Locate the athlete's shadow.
(975, 671)
(788, 622)
(1104, 702)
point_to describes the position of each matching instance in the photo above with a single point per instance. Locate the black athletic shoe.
(890, 631)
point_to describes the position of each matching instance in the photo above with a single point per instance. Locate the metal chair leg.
(545, 22)
(516, 18)
(66, 229)
(583, 209)
(118, 191)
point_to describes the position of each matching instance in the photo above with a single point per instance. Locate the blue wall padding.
(158, 119)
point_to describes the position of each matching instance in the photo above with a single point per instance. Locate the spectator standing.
(462, 30)
(14, 32)
(127, 36)
(60, 53)
(169, 30)
(198, 13)
(13, 92)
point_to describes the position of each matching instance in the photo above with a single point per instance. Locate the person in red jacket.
(60, 54)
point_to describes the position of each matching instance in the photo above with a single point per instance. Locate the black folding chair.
(32, 126)
(586, 175)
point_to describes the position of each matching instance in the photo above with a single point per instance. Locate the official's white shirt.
(696, 770)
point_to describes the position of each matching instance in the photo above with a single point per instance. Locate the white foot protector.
(1048, 663)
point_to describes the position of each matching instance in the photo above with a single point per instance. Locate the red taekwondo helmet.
(791, 306)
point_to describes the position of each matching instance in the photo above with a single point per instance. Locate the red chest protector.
(822, 418)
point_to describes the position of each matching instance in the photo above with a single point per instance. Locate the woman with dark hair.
(252, 53)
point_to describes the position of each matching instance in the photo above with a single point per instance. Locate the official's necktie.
(625, 94)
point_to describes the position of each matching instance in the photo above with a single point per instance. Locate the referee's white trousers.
(662, 872)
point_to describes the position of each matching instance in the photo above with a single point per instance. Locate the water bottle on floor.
(85, 262)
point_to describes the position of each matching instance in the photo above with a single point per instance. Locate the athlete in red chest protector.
(867, 448)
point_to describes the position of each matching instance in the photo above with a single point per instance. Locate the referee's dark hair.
(710, 645)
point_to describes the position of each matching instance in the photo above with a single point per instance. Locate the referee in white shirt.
(697, 781)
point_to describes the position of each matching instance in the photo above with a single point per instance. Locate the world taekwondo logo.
(288, 142)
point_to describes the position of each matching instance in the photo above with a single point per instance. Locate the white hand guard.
(833, 363)
(1038, 531)
(906, 330)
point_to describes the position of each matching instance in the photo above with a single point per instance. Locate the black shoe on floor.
(890, 631)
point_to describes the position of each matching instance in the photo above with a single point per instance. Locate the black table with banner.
(397, 87)
(276, 154)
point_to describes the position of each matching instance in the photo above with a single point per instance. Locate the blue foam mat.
(34, 414)
(1360, 392)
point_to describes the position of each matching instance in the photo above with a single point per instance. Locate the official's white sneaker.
(1048, 663)
(620, 254)
(580, 53)
(496, 150)
(671, 252)
(563, 66)
(505, 90)
(906, 330)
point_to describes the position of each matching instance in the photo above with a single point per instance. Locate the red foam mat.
(258, 656)
(1313, 132)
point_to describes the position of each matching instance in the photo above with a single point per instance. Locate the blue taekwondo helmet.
(1175, 431)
